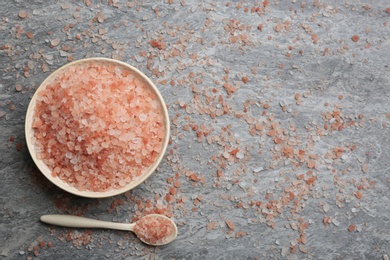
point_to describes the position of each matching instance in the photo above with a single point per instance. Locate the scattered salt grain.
(258, 169)
(18, 87)
(326, 207)
(240, 155)
(335, 222)
(229, 186)
(22, 14)
(365, 168)
(65, 6)
(284, 251)
(55, 42)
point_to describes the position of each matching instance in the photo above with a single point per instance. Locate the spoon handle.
(81, 222)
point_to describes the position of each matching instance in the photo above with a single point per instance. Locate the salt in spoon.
(140, 230)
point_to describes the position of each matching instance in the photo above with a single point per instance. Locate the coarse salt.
(154, 230)
(97, 127)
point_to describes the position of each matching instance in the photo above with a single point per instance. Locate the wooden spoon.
(81, 222)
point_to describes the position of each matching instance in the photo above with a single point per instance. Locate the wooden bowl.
(29, 131)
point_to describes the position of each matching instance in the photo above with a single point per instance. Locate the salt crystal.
(294, 226)
(37, 11)
(229, 186)
(139, 58)
(258, 169)
(48, 56)
(284, 251)
(226, 154)
(22, 14)
(240, 155)
(142, 117)
(63, 53)
(326, 207)
(335, 222)
(65, 6)
(55, 41)
(74, 161)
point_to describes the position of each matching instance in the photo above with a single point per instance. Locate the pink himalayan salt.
(153, 230)
(97, 127)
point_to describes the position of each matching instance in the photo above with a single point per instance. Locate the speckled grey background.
(324, 66)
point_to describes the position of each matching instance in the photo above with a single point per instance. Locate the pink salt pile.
(97, 127)
(154, 230)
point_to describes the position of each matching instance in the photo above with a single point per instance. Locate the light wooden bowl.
(29, 131)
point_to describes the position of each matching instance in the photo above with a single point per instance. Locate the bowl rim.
(62, 184)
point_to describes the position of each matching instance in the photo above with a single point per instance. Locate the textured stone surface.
(306, 71)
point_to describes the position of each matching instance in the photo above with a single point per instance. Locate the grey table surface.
(280, 114)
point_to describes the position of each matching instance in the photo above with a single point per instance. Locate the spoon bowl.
(81, 222)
